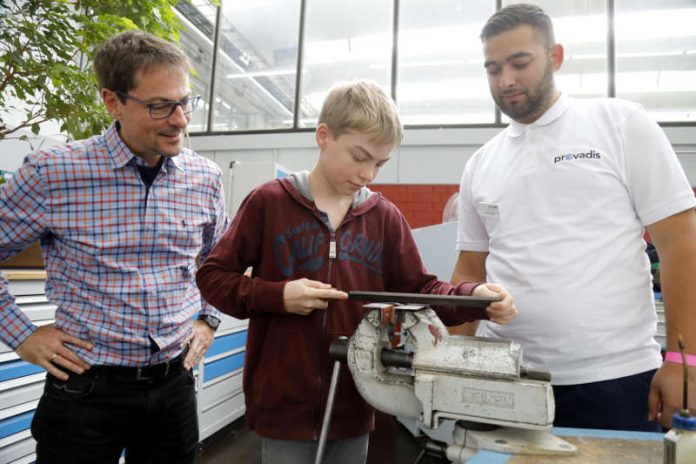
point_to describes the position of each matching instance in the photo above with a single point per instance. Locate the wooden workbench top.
(24, 274)
(594, 446)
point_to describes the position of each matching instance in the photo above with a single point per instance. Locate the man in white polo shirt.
(554, 208)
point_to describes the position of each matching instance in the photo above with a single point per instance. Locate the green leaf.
(46, 47)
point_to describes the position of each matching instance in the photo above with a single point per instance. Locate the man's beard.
(536, 103)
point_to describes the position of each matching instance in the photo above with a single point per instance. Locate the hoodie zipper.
(329, 274)
(324, 318)
(332, 255)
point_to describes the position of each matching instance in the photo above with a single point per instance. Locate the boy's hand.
(502, 311)
(303, 296)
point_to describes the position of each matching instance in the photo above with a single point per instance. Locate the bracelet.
(676, 357)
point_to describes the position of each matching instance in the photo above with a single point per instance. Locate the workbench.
(595, 446)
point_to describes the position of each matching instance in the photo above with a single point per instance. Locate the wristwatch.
(212, 321)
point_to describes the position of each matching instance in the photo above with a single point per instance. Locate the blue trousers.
(617, 404)
(91, 419)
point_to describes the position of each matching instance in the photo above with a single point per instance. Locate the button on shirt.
(120, 257)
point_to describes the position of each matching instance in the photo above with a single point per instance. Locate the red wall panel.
(422, 205)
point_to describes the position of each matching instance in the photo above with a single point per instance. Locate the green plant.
(45, 58)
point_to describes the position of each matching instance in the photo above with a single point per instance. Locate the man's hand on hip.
(46, 347)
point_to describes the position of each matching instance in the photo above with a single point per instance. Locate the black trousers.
(93, 418)
(618, 404)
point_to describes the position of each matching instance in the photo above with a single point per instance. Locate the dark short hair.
(516, 15)
(117, 60)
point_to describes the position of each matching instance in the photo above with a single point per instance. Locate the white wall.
(427, 156)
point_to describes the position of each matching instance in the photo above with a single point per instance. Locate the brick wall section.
(422, 205)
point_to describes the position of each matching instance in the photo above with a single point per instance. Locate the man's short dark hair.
(516, 15)
(117, 60)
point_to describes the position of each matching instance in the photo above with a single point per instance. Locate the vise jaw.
(450, 377)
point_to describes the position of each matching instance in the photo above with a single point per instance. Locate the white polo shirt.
(560, 206)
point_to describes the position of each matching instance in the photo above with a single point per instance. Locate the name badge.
(488, 209)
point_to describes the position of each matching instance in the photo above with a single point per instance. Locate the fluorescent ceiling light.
(656, 24)
(370, 47)
(649, 54)
(598, 56)
(443, 90)
(265, 73)
(448, 118)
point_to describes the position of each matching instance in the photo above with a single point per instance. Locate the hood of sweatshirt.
(297, 186)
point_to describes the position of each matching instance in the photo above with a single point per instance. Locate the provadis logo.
(592, 154)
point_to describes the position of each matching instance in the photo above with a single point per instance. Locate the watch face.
(213, 322)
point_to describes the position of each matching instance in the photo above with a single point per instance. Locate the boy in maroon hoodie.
(306, 237)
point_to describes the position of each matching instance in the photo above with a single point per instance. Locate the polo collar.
(515, 129)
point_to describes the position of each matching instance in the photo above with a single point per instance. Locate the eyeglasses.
(164, 109)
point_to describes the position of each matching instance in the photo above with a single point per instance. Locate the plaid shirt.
(120, 259)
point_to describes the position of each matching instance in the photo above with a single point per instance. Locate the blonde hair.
(362, 106)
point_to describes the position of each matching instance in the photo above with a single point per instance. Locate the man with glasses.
(122, 218)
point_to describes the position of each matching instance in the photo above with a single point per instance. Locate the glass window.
(440, 72)
(256, 65)
(198, 19)
(656, 56)
(440, 78)
(581, 27)
(344, 40)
